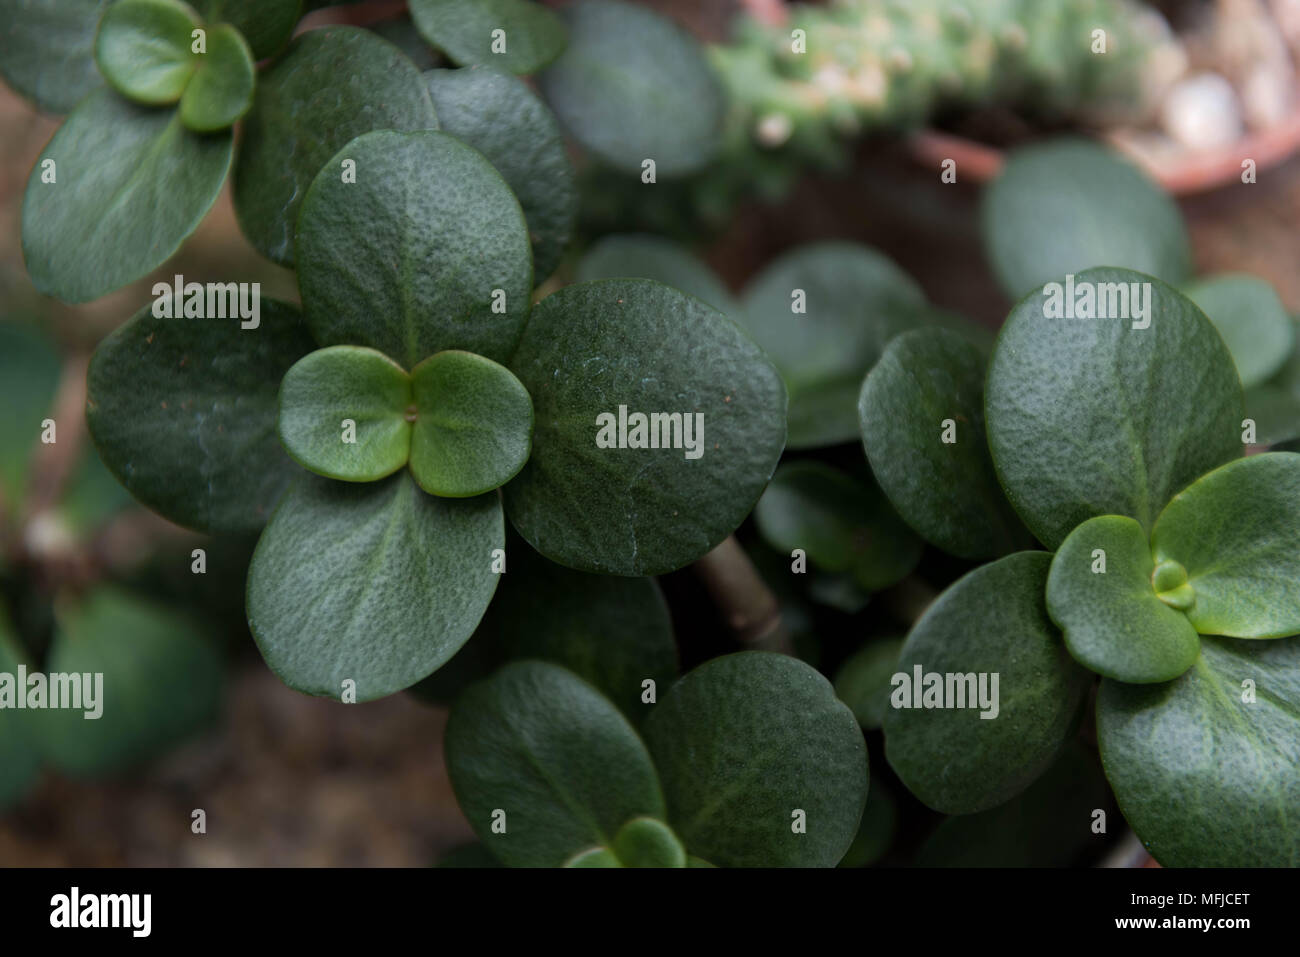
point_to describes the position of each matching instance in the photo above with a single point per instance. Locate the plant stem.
(747, 604)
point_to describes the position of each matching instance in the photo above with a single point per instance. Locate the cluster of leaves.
(162, 675)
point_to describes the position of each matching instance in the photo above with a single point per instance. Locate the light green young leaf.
(143, 49)
(1108, 416)
(474, 424)
(645, 842)
(842, 523)
(330, 86)
(632, 86)
(921, 412)
(748, 745)
(1207, 768)
(991, 622)
(597, 350)
(1102, 594)
(824, 313)
(426, 251)
(114, 194)
(539, 745)
(1236, 531)
(221, 90)
(503, 119)
(376, 584)
(519, 36)
(1252, 320)
(345, 413)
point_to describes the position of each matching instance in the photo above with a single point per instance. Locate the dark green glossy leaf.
(474, 424)
(500, 116)
(130, 185)
(1250, 317)
(863, 681)
(332, 85)
(645, 842)
(29, 376)
(1094, 417)
(143, 49)
(1236, 531)
(842, 523)
(1067, 206)
(519, 36)
(992, 621)
(540, 746)
(1102, 594)
(326, 390)
(20, 746)
(426, 251)
(1049, 824)
(632, 86)
(47, 50)
(221, 90)
(928, 389)
(643, 256)
(265, 24)
(1207, 768)
(374, 583)
(744, 742)
(183, 412)
(162, 682)
(595, 348)
(856, 300)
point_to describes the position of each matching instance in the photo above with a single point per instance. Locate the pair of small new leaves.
(1218, 562)
(462, 422)
(159, 52)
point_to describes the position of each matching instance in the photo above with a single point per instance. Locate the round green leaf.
(1066, 206)
(265, 24)
(1207, 769)
(632, 86)
(863, 681)
(599, 857)
(614, 633)
(47, 50)
(426, 251)
(1102, 593)
(1252, 320)
(143, 49)
(842, 523)
(518, 36)
(129, 185)
(644, 256)
(744, 742)
(645, 842)
(853, 301)
(29, 377)
(162, 682)
(1094, 417)
(921, 412)
(20, 746)
(332, 85)
(1237, 533)
(183, 412)
(473, 427)
(326, 390)
(992, 621)
(375, 583)
(596, 351)
(500, 116)
(542, 747)
(221, 90)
